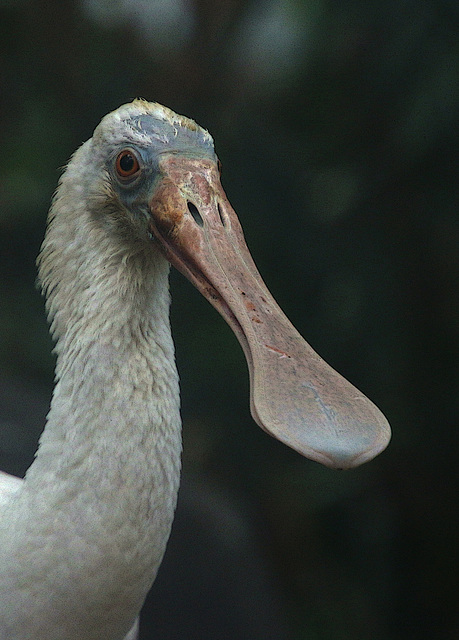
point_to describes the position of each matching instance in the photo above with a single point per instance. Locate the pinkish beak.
(294, 395)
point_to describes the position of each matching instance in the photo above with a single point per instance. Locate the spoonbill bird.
(82, 536)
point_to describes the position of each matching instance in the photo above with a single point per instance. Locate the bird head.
(162, 176)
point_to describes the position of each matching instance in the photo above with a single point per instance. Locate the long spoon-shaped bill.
(295, 395)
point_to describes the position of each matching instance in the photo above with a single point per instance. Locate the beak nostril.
(220, 213)
(195, 213)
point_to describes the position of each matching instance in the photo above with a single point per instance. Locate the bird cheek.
(167, 208)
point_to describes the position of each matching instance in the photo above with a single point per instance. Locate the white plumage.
(81, 538)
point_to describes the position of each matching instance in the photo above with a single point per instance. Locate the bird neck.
(116, 401)
(100, 496)
(114, 417)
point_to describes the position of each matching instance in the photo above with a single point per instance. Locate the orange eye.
(127, 164)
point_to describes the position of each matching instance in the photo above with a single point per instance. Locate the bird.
(83, 534)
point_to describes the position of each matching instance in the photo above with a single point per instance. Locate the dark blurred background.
(337, 125)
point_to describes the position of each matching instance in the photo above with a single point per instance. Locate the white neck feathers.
(93, 516)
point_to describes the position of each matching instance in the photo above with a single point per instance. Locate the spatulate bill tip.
(343, 444)
(349, 457)
(335, 457)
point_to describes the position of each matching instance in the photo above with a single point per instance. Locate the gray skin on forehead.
(151, 127)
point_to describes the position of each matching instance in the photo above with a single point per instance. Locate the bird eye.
(127, 164)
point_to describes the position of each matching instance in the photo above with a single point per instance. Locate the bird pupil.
(127, 162)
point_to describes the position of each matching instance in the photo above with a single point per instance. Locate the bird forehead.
(150, 125)
(170, 135)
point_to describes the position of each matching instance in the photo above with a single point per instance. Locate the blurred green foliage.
(337, 127)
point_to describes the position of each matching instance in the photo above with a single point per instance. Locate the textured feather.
(9, 486)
